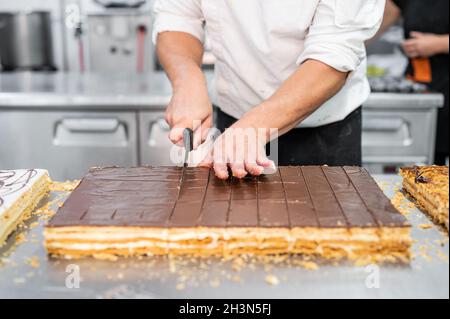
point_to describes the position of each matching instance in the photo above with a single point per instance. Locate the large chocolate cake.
(333, 212)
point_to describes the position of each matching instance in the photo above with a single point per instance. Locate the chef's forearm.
(181, 55)
(300, 95)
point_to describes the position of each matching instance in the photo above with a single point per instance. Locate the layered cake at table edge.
(20, 193)
(429, 186)
(332, 212)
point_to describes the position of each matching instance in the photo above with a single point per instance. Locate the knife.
(188, 139)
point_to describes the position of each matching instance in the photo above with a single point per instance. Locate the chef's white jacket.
(260, 43)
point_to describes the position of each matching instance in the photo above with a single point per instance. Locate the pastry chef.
(293, 67)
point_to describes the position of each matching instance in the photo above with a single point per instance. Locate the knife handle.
(188, 139)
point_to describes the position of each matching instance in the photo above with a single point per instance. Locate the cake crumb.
(33, 262)
(423, 252)
(215, 283)
(172, 267)
(309, 265)
(425, 226)
(237, 264)
(441, 242)
(442, 256)
(107, 257)
(362, 262)
(236, 278)
(402, 204)
(20, 238)
(180, 286)
(306, 264)
(272, 280)
(66, 186)
(34, 225)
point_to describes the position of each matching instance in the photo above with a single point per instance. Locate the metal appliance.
(26, 41)
(68, 142)
(120, 41)
(121, 3)
(398, 130)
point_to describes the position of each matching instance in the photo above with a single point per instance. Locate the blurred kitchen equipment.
(26, 41)
(119, 40)
(121, 3)
(79, 37)
(387, 84)
(399, 129)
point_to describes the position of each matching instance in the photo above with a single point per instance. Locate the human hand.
(422, 45)
(240, 149)
(190, 107)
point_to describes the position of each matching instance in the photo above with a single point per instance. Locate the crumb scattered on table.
(180, 286)
(33, 261)
(66, 186)
(272, 280)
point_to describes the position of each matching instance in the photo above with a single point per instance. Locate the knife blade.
(188, 139)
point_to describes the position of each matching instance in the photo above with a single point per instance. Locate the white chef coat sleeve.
(338, 31)
(178, 15)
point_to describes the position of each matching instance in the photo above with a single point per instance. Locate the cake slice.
(20, 193)
(428, 185)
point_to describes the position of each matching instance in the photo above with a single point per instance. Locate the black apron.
(335, 144)
(430, 16)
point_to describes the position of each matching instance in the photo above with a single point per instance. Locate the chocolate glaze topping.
(327, 197)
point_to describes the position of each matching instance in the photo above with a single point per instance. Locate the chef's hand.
(425, 45)
(240, 149)
(190, 107)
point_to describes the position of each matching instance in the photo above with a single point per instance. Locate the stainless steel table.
(27, 272)
(127, 91)
(74, 91)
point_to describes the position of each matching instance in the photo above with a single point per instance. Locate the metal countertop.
(427, 276)
(72, 90)
(132, 91)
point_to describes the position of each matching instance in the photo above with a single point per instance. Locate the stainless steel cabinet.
(67, 143)
(155, 145)
(399, 130)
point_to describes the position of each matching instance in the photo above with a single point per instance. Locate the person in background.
(427, 47)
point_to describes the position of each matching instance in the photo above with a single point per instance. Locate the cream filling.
(128, 246)
(347, 247)
(344, 243)
(132, 236)
(194, 236)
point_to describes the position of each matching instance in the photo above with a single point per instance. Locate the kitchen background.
(80, 86)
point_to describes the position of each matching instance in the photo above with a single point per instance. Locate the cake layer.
(429, 186)
(146, 210)
(135, 241)
(20, 193)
